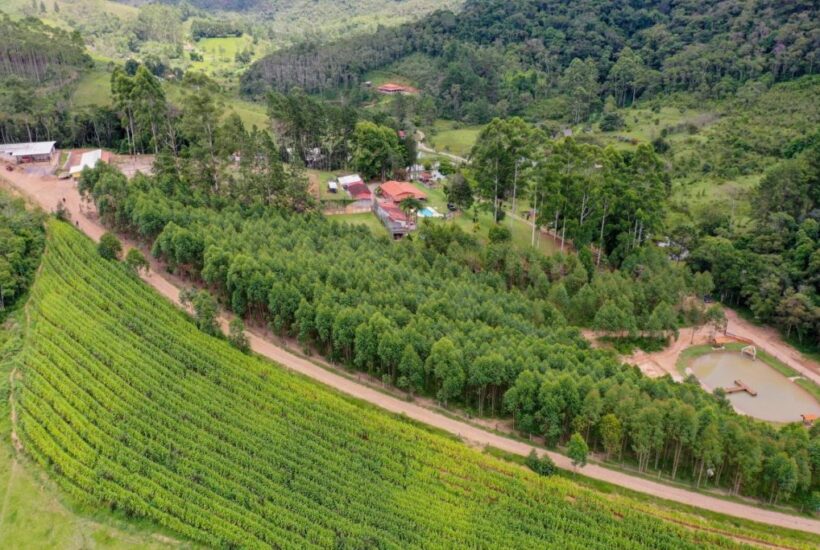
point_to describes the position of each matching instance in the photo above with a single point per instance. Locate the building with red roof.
(394, 218)
(359, 191)
(392, 88)
(397, 191)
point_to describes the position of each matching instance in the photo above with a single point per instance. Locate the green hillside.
(131, 408)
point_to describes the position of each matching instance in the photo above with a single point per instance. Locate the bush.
(136, 261)
(109, 247)
(661, 145)
(500, 234)
(236, 335)
(543, 465)
(611, 122)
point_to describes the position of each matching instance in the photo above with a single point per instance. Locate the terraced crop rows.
(130, 407)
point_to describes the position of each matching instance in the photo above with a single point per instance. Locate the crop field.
(131, 408)
(32, 512)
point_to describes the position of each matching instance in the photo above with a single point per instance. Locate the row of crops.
(132, 408)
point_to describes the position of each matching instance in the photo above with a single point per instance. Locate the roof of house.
(28, 149)
(393, 212)
(393, 87)
(809, 417)
(344, 181)
(359, 191)
(399, 190)
(390, 87)
(89, 159)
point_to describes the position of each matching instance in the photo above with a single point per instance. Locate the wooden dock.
(739, 387)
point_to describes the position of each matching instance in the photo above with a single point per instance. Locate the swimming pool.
(429, 212)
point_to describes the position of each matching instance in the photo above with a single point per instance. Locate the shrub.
(500, 234)
(109, 247)
(543, 465)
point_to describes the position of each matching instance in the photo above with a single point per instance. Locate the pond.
(778, 398)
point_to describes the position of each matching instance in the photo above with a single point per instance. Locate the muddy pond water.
(778, 398)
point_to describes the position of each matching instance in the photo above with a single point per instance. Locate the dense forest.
(773, 268)
(560, 59)
(38, 65)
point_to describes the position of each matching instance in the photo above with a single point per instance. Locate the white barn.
(18, 153)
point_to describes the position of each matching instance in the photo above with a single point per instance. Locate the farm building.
(19, 153)
(89, 159)
(332, 186)
(394, 219)
(392, 89)
(359, 191)
(345, 181)
(397, 191)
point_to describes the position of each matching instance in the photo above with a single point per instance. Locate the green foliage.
(219, 422)
(21, 243)
(578, 450)
(236, 335)
(500, 234)
(205, 309)
(772, 267)
(459, 192)
(136, 261)
(480, 64)
(376, 151)
(109, 246)
(541, 465)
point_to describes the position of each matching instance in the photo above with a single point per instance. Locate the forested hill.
(697, 45)
(35, 52)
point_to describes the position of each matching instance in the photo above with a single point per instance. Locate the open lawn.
(93, 88)
(451, 137)
(367, 219)
(219, 54)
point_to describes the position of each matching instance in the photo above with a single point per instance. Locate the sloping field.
(130, 407)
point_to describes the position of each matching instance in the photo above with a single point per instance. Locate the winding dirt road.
(48, 191)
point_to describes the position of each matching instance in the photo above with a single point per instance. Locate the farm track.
(47, 192)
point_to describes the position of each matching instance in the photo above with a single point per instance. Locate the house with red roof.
(359, 191)
(391, 88)
(397, 222)
(397, 191)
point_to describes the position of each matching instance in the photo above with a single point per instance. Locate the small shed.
(89, 159)
(332, 186)
(347, 181)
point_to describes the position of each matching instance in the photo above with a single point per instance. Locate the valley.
(546, 269)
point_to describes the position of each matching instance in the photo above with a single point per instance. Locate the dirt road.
(48, 191)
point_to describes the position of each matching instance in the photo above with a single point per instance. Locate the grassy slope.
(453, 138)
(94, 88)
(478, 495)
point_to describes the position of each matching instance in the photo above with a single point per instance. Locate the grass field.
(451, 137)
(93, 88)
(142, 411)
(367, 219)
